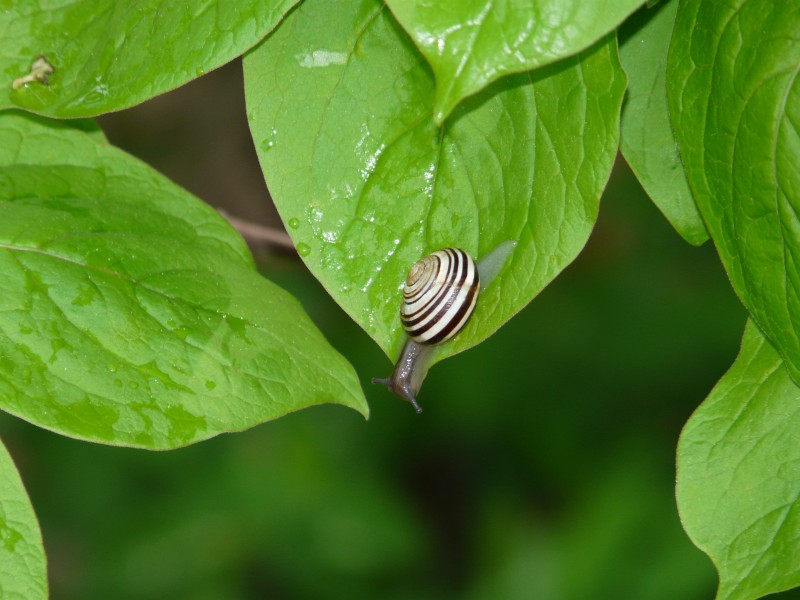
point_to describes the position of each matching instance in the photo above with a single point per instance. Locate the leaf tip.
(363, 408)
(358, 403)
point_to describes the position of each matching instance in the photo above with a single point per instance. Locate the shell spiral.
(439, 296)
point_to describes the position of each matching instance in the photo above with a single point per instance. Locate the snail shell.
(439, 297)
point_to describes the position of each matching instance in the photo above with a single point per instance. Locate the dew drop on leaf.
(303, 249)
(269, 143)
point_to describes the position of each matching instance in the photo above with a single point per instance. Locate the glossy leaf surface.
(739, 474)
(109, 55)
(735, 106)
(341, 110)
(471, 43)
(130, 312)
(647, 140)
(23, 569)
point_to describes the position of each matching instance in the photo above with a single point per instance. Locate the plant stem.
(259, 233)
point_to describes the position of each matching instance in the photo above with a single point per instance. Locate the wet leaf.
(23, 569)
(734, 99)
(341, 110)
(107, 55)
(739, 474)
(130, 312)
(647, 141)
(471, 43)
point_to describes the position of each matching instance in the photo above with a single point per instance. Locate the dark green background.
(542, 467)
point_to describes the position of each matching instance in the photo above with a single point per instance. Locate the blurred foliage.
(543, 466)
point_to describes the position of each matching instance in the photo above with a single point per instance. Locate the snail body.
(439, 297)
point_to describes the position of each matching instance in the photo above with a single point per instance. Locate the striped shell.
(439, 296)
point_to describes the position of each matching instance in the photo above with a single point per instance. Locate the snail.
(439, 297)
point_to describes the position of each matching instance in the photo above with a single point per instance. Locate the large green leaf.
(23, 569)
(647, 141)
(735, 104)
(130, 312)
(739, 474)
(340, 106)
(109, 55)
(471, 43)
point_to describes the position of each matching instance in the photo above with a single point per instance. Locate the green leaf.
(647, 141)
(23, 568)
(738, 483)
(735, 104)
(471, 43)
(340, 107)
(109, 55)
(131, 313)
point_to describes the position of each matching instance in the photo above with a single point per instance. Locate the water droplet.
(303, 249)
(269, 143)
(210, 385)
(133, 385)
(118, 382)
(200, 71)
(112, 368)
(294, 223)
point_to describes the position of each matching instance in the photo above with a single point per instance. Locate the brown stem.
(260, 233)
